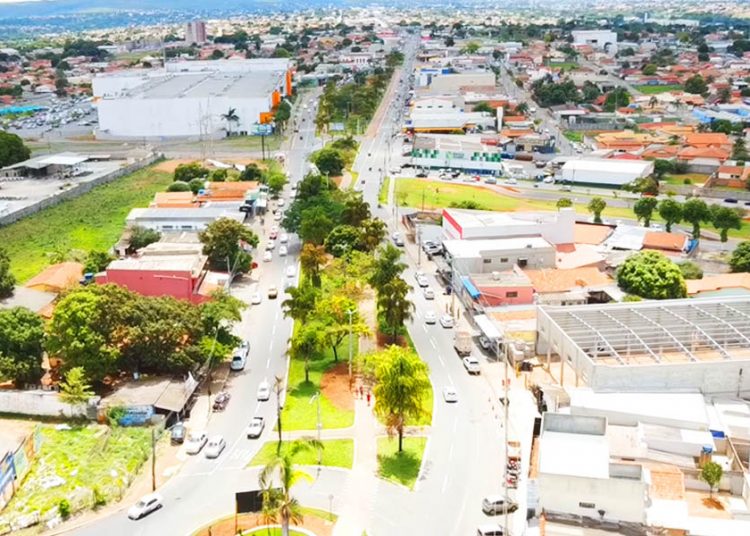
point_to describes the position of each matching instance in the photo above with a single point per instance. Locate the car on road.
(490, 180)
(273, 292)
(284, 238)
(255, 428)
(497, 504)
(270, 245)
(255, 299)
(291, 271)
(428, 293)
(177, 435)
(195, 442)
(282, 251)
(215, 447)
(485, 343)
(396, 237)
(422, 281)
(447, 321)
(421, 174)
(278, 216)
(490, 530)
(267, 256)
(471, 364)
(145, 505)
(221, 401)
(264, 391)
(450, 394)
(239, 357)
(731, 200)
(430, 317)
(280, 203)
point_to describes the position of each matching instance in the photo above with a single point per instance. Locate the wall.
(453, 82)
(45, 403)
(77, 190)
(494, 296)
(152, 283)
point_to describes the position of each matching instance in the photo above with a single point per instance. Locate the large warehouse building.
(605, 172)
(188, 99)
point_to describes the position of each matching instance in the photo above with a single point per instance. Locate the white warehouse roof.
(605, 165)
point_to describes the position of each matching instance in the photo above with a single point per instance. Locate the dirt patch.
(170, 165)
(225, 527)
(335, 387)
(712, 503)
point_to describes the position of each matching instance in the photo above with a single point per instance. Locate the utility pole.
(505, 426)
(153, 459)
(350, 312)
(316, 398)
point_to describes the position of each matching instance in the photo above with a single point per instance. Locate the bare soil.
(335, 387)
(225, 527)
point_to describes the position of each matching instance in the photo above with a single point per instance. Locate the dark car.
(730, 200)
(221, 401)
(177, 437)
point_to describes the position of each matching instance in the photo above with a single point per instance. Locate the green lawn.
(653, 90)
(383, 193)
(85, 459)
(574, 136)
(400, 467)
(299, 413)
(336, 453)
(567, 65)
(252, 143)
(94, 220)
(696, 179)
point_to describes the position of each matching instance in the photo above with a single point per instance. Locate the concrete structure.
(660, 346)
(195, 32)
(188, 99)
(449, 120)
(456, 151)
(453, 82)
(54, 166)
(498, 254)
(604, 40)
(555, 227)
(183, 219)
(601, 171)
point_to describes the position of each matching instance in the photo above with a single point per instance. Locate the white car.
(291, 271)
(471, 364)
(145, 505)
(283, 238)
(422, 281)
(430, 317)
(282, 251)
(215, 447)
(267, 256)
(274, 229)
(278, 216)
(428, 293)
(264, 391)
(255, 428)
(280, 203)
(270, 245)
(255, 299)
(446, 321)
(450, 394)
(195, 442)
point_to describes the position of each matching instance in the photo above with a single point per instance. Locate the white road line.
(455, 425)
(268, 362)
(424, 327)
(440, 358)
(450, 453)
(432, 342)
(273, 329)
(257, 407)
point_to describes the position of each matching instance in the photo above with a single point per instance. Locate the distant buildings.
(195, 32)
(603, 40)
(602, 171)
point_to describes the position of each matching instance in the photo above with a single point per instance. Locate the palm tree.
(387, 266)
(230, 117)
(301, 301)
(394, 305)
(276, 481)
(311, 258)
(522, 108)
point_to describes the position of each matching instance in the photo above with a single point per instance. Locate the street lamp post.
(316, 398)
(350, 312)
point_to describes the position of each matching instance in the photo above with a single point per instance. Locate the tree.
(483, 106)
(196, 185)
(564, 202)
(662, 167)
(140, 237)
(596, 206)
(75, 390)
(372, 233)
(315, 225)
(355, 211)
(739, 151)
(12, 149)
(649, 69)
(188, 172)
(225, 242)
(311, 258)
(329, 161)
(651, 275)
(7, 279)
(725, 218)
(276, 182)
(521, 108)
(696, 85)
(219, 314)
(276, 481)
(387, 266)
(724, 95)
(402, 386)
(644, 209)
(711, 474)
(617, 98)
(283, 114)
(691, 270)
(306, 342)
(671, 212)
(696, 211)
(342, 240)
(97, 261)
(334, 315)
(471, 48)
(217, 55)
(21, 351)
(394, 305)
(740, 259)
(179, 186)
(251, 173)
(301, 302)
(219, 175)
(230, 117)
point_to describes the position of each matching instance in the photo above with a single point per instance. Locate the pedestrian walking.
(361, 392)
(368, 398)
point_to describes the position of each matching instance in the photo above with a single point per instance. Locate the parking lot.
(60, 118)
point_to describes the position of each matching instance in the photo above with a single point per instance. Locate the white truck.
(462, 343)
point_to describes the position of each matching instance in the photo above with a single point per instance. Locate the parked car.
(450, 394)
(428, 293)
(195, 442)
(471, 364)
(291, 271)
(422, 281)
(282, 251)
(255, 299)
(145, 505)
(284, 238)
(396, 237)
(498, 504)
(255, 428)
(177, 435)
(273, 292)
(267, 256)
(239, 356)
(447, 321)
(490, 530)
(731, 200)
(485, 343)
(430, 317)
(270, 245)
(221, 401)
(421, 174)
(215, 447)
(264, 391)
(490, 180)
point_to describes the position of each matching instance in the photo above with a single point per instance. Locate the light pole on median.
(316, 398)
(350, 312)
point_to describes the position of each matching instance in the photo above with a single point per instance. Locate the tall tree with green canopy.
(311, 259)
(140, 237)
(387, 266)
(226, 243)
(342, 240)
(276, 481)
(740, 259)
(695, 211)
(356, 210)
(696, 85)
(21, 345)
(402, 386)
(564, 202)
(372, 233)
(394, 305)
(671, 212)
(315, 225)
(74, 389)
(7, 279)
(334, 315)
(596, 206)
(644, 209)
(651, 275)
(301, 301)
(725, 218)
(12, 149)
(307, 341)
(231, 116)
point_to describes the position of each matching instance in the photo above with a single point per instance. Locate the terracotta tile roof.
(718, 282)
(586, 233)
(57, 277)
(667, 241)
(173, 200)
(552, 280)
(707, 139)
(688, 153)
(661, 151)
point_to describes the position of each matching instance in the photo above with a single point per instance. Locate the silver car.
(215, 447)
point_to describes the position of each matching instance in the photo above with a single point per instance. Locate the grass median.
(400, 467)
(95, 220)
(336, 453)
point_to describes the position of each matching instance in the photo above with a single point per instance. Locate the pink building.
(510, 287)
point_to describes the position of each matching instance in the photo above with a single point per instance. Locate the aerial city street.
(345, 269)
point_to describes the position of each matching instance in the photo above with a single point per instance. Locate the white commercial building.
(554, 227)
(604, 40)
(497, 254)
(465, 152)
(188, 99)
(604, 171)
(183, 219)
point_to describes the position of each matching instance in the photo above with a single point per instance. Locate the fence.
(696, 191)
(78, 190)
(36, 402)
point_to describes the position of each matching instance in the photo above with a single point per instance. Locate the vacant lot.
(93, 221)
(653, 90)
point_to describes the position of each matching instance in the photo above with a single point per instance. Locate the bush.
(178, 186)
(631, 298)
(687, 182)
(188, 172)
(650, 274)
(140, 237)
(63, 508)
(691, 270)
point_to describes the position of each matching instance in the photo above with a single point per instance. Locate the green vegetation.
(694, 178)
(252, 143)
(336, 453)
(649, 274)
(92, 221)
(653, 90)
(12, 149)
(740, 259)
(90, 461)
(400, 467)
(574, 136)
(383, 193)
